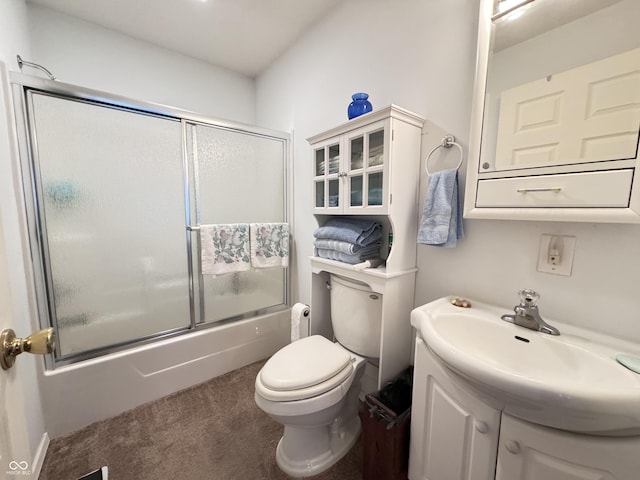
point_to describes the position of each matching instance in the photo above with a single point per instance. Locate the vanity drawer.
(610, 188)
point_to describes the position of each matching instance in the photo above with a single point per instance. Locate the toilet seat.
(304, 369)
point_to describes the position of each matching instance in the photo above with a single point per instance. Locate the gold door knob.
(41, 342)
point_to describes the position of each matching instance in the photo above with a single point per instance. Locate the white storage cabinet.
(370, 166)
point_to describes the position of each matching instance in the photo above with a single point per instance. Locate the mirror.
(556, 112)
(547, 101)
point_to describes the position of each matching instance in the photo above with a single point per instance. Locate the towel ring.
(448, 141)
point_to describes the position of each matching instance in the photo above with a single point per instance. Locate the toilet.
(311, 386)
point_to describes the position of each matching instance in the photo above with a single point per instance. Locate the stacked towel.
(363, 254)
(269, 245)
(441, 223)
(353, 230)
(224, 248)
(348, 240)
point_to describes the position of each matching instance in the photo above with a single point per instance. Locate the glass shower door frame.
(36, 230)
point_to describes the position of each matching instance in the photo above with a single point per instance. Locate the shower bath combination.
(115, 191)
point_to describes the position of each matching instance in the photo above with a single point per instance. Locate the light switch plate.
(567, 245)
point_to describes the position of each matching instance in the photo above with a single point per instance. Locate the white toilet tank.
(356, 316)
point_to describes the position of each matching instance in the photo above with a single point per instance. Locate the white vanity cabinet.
(457, 434)
(359, 167)
(454, 435)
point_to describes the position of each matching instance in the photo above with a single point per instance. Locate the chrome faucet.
(526, 314)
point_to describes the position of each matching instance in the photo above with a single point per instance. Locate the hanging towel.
(353, 230)
(269, 245)
(224, 248)
(441, 223)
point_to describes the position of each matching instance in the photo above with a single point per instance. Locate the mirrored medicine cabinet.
(556, 112)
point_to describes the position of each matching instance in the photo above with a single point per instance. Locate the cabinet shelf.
(374, 277)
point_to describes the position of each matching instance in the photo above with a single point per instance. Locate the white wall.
(420, 54)
(90, 56)
(21, 418)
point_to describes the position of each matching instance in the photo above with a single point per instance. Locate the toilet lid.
(304, 363)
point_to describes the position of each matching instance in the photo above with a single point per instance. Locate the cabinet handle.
(540, 189)
(512, 446)
(481, 427)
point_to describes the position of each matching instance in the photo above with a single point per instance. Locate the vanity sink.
(570, 381)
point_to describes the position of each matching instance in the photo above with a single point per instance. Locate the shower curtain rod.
(22, 63)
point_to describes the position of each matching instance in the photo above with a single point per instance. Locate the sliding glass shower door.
(239, 177)
(111, 210)
(115, 195)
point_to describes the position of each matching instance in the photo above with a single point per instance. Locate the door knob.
(11, 346)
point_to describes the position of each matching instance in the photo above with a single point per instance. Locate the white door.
(16, 453)
(586, 114)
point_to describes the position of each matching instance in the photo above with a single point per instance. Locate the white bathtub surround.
(76, 395)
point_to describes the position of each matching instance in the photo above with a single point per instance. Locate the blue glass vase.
(359, 106)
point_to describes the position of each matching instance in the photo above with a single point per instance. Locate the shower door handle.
(193, 228)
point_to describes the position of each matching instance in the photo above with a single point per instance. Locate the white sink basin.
(571, 381)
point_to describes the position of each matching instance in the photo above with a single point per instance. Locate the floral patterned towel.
(269, 245)
(224, 248)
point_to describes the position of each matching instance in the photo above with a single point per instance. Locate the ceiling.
(245, 36)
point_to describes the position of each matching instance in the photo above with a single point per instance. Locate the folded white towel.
(269, 245)
(224, 248)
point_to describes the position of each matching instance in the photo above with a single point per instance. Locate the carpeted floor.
(213, 431)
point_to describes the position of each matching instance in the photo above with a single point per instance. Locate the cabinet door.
(454, 435)
(327, 178)
(365, 170)
(533, 452)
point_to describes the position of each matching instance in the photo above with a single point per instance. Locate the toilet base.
(305, 452)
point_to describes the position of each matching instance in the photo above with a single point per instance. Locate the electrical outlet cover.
(561, 265)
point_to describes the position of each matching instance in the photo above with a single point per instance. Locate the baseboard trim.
(41, 452)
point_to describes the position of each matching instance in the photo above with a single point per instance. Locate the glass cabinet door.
(365, 173)
(349, 172)
(375, 162)
(327, 187)
(356, 164)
